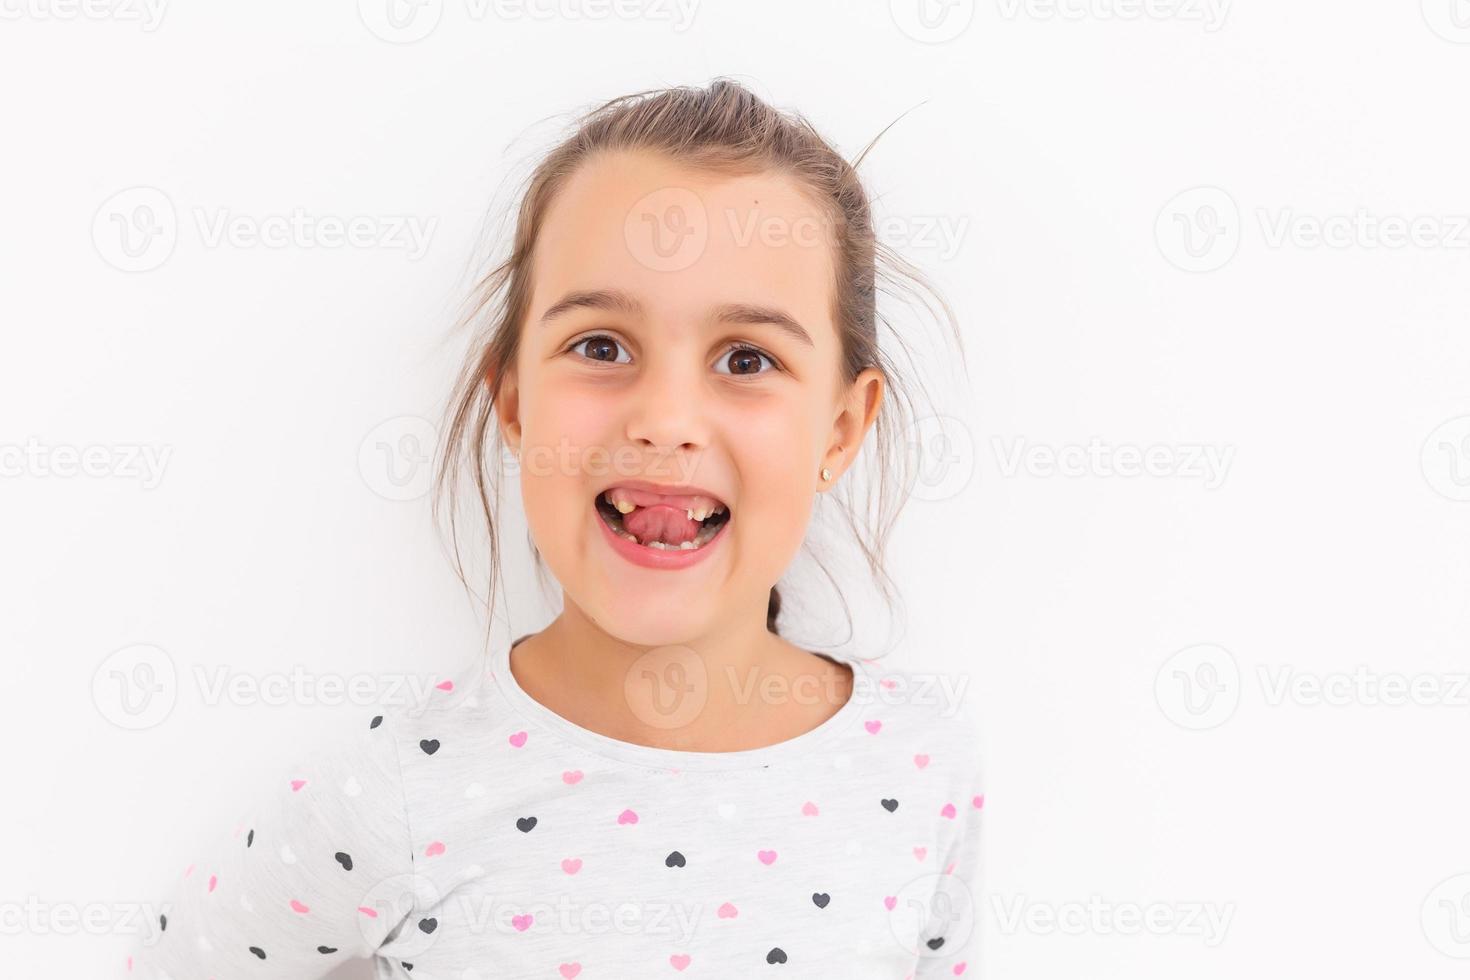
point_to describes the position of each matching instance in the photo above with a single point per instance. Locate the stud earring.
(826, 473)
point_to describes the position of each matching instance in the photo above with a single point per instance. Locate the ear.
(507, 408)
(858, 412)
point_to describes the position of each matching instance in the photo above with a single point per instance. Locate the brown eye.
(745, 361)
(599, 348)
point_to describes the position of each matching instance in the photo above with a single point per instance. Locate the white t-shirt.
(481, 835)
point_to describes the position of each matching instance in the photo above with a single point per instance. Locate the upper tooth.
(699, 513)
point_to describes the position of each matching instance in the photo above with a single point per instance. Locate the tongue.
(661, 522)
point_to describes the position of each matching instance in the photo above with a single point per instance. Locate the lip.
(653, 558)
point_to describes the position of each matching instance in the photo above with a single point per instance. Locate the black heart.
(821, 898)
(326, 949)
(524, 824)
(163, 923)
(377, 720)
(935, 943)
(429, 745)
(428, 925)
(250, 837)
(258, 951)
(408, 966)
(776, 955)
(345, 860)
(890, 805)
(674, 860)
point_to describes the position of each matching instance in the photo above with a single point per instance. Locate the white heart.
(286, 854)
(352, 787)
(472, 701)
(474, 791)
(727, 810)
(842, 761)
(854, 847)
(245, 903)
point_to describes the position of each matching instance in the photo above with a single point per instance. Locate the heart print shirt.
(478, 834)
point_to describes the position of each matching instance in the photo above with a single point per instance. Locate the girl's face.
(679, 335)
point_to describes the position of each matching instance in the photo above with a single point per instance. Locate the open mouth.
(659, 521)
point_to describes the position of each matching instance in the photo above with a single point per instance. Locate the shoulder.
(936, 709)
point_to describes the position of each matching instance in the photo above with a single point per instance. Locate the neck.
(739, 685)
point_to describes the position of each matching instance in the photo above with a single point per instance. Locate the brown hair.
(721, 128)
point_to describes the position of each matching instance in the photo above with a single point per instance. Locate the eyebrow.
(618, 301)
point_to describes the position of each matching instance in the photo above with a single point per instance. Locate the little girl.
(682, 352)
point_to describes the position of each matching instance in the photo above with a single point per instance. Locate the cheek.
(561, 433)
(773, 455)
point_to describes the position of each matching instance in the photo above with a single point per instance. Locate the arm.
(319, 874)
(955, 908)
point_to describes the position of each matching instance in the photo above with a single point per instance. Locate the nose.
(667, 411)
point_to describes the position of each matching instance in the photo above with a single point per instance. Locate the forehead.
(683, 240)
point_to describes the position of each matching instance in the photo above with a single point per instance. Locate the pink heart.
(959, 968)
(570, 970)
(978, 802)
(919, 852)
(298, 907)
(889, 683)
(728, 911)
(571, 865)
(572, 777)
(767, 857)
(521, 922)
(627, 816)
(188, 871)
(296, 785)
(921, 760)
(809, 809)
(949, 868)
(889, 901)
(518, 739)
(679, 961)
(445, 685)
(872, 726)
(212, 880)
(434, 850)
(370, 913)
(948, 811)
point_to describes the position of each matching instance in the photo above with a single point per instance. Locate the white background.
(1102, 297)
